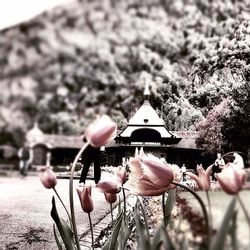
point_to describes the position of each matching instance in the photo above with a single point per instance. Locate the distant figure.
(238, 161)
(163, 159)
(218, 166)
(48, 159)
(184, 170)
(89, 156)
(25, 155)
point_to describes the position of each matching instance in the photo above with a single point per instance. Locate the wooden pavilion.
(145, 130)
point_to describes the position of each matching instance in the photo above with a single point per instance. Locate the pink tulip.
(149, 176)
(145, 188)
(86, 199)
(101, 131)
(157, 171)
(122, 174)
(110, 198)
(203, 178)
(110, 185)
(231, 179)
(48, 178)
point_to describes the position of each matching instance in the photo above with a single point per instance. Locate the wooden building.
(146, 129)
(51, 149)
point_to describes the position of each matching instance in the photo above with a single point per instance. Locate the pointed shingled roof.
(35, 135)
(146, 126)
(146, 114)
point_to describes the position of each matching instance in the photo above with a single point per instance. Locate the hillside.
(65, 66)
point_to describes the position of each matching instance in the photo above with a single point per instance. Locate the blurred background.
(62, 62)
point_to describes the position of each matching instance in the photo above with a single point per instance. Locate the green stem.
(111, 212)
(229, 153)
(125, 188)
(163, 210)
(91, 230)
(244, 210)
(210, 214)
(124, 202)
(209, 209)
(63, 206)
(144, 216)
(203, 207)
(71, 198)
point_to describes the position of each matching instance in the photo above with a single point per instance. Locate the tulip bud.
(85, 199)
(149, 176)
(110, 185)
(48, 178)
(101, 131)
(122, 174)
(157, 171)
(110, 198)
(203, 178)
(231, 179)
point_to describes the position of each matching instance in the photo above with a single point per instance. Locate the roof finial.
(146, 90)
(35, 125)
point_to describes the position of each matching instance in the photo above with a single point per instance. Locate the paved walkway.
(25, 205)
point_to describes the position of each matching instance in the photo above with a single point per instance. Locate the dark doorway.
(145, 135)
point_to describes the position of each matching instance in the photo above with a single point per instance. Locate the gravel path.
(25, 205)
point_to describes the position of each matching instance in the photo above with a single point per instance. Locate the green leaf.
(125, 232)
(144, 241)
(59, 245)
(169, 205)
(112, 242)
(63, 228)
(219, 239)
(162, 238)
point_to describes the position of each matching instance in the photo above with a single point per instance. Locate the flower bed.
(149, 176)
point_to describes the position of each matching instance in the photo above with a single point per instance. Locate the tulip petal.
(195, 178)
(101, 138)
(135, 166)
(230, 179)
(86, 199)
(101, 131)
(209, 170)
(146, 188)
(48, 178)
(109, 186)
(203, 178)
(110, 198)
(122, 174)
(149, 176)
(228, 186)
(157, 172)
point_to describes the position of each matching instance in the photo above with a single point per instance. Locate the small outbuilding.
(52, 149)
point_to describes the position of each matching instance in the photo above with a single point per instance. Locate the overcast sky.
(13, 12)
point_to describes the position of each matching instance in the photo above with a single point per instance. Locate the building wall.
(189, 157)
(39, 155)
(63, 156)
